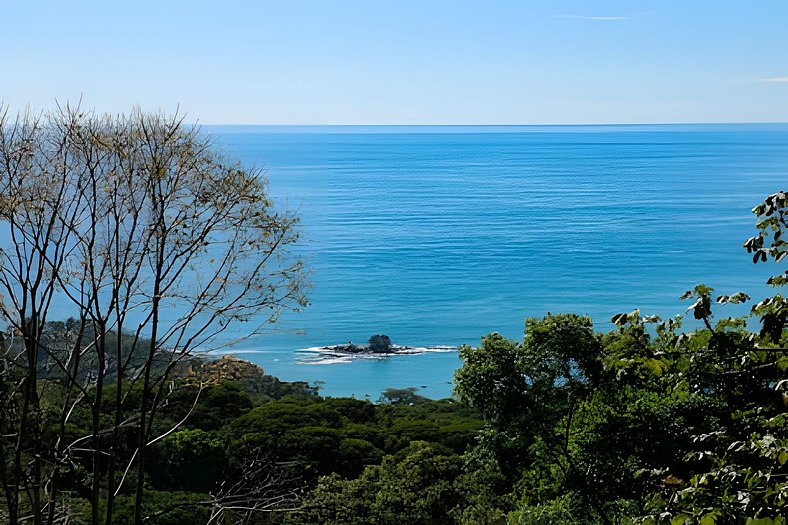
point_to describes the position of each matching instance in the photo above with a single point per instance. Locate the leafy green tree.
(219, 405)
(163, 508)
(406, 396)
(742, 464)
(564, 509)
(415, 486)
(530, 393)
(188, 460)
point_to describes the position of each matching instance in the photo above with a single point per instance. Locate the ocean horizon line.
(485, 128)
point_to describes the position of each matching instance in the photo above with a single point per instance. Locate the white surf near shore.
(333, 354)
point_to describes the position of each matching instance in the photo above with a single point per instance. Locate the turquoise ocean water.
(439, 235)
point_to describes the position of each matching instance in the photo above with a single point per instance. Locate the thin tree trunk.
(157, 283)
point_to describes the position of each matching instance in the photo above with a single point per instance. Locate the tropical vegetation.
(158, 243)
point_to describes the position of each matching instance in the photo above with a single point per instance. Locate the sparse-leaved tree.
(158, 244)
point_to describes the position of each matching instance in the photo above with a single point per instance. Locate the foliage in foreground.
(648, 423)
(644, 424)
(157, 244)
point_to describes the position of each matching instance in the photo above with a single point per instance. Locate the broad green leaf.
(760, 521)
(708, 519)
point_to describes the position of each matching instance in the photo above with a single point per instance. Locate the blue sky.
(404, 62)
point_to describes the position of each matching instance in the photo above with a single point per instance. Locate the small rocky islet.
(379, 346)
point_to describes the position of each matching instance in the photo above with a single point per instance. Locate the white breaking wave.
(333, 354)
(233, 352)
(324, 361)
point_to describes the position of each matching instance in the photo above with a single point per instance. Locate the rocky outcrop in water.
(378, 344)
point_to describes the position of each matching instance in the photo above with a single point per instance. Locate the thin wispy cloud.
(774, 79)
(585, 17)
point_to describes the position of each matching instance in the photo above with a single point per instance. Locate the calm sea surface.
(439, 235)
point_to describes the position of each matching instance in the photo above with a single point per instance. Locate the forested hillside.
(647, 423)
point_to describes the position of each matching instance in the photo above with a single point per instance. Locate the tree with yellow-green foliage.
(158, 244)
